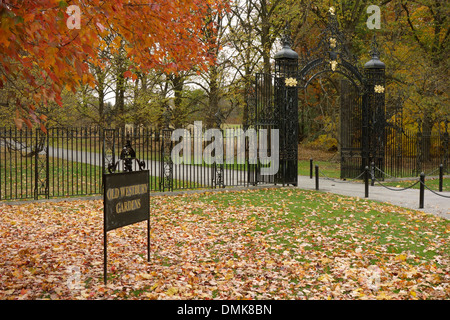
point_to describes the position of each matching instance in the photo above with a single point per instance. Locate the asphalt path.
(435, 203)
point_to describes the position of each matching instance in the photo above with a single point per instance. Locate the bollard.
(422, 190)
(441, 176)
(373, 173)
(310, 168)
(366, 182)
(317, 177)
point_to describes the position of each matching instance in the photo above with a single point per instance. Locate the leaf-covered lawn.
(261, 244)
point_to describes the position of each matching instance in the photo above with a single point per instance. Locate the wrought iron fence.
(65, 162)
(71, 161)
(409, 153)
(154, 147)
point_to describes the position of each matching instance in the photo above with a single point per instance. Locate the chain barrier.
(371, 172)
(438, 194)
(432, 172)
(386, 174)
(409, 187)
(396, 189)
(339, 181)
(374, 179)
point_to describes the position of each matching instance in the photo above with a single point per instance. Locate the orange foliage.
(34, 35)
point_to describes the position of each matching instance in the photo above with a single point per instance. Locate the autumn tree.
(422, 55)
(39, 48)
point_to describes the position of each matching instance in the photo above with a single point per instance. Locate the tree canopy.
(198, 58)
(42, 54)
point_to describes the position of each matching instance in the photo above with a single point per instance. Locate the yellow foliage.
(324, 142)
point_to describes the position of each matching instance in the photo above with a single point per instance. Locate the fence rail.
(71, 161)
(408, 153)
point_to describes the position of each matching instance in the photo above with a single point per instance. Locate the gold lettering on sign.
(125, 192)
(112, 193)
(115, 193)
(133, 190)
(126, 206)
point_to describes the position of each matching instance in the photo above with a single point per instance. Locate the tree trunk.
(178, 114)
(427, 126)
(213, 98)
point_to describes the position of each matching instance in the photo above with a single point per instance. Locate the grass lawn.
(326, 168)
(282, 243)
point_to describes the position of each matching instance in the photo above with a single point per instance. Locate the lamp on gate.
(374, 70)
(286, 60)
(375, 62)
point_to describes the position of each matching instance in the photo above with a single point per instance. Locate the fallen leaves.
(263, 244)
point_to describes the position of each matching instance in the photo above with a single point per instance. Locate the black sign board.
(126, 201)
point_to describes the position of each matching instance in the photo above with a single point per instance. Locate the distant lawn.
(326, 168)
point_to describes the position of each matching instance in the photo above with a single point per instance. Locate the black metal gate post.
(374, 113)
(419, 149)
(286, 111)
(445, 147)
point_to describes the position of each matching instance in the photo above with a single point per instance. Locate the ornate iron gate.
(362, 110)
(350, 130)
(263, 115)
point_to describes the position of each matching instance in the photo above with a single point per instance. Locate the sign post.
(126, 201)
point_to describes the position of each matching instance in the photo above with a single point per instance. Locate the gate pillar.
(374, 112)
(286, 111)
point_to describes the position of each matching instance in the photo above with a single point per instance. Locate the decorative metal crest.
(332, 46)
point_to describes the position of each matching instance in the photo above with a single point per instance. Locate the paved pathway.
(433, 203)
